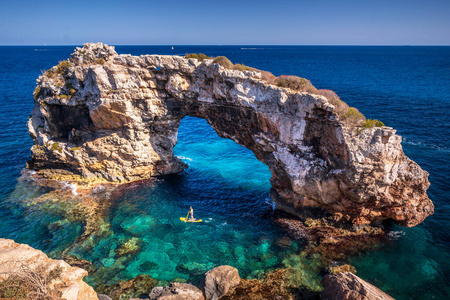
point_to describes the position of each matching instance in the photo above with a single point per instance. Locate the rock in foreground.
(104, 116)
(33, 268)
(219, 281)
(348, 286)
(176, 291)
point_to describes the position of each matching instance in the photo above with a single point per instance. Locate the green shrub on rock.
(295, 83)
(267, 77)
(369, 123)
(70, 88)
(37, 92)
(60, 69)
(352, 116)
(63, 67)
(340, 106)
(223, 61)
(56, 147)
(200, 56)
(241, 67)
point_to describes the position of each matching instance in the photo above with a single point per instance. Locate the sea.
(406, 87)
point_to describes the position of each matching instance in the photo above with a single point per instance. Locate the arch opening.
(228, 189)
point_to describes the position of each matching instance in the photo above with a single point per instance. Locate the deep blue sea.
(408, 88)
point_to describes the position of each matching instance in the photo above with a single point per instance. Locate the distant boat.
(172, 47)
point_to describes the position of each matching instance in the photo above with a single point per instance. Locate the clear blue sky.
(212, 22)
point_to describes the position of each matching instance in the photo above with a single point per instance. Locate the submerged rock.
(36, 273)
(342, 268)
(275, 285)
(176, 291)
(110, 117)
(332, 239)
(219, 281)
(348, 286)
(130, 246)
(136, 287)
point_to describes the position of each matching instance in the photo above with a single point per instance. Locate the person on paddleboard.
(191, 212)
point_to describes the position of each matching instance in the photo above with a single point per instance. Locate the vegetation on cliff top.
(351, 116)
(60, 69)
(199, 56)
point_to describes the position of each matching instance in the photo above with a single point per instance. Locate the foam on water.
(72, 187)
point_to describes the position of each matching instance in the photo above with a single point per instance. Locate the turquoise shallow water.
(405, 87)
(232, 202)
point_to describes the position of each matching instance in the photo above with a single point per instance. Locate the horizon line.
(231, 45)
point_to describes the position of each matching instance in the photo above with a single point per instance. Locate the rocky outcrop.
(42, 276)
(275, 285)
(219, 281)
(176, 291)
(139, 286)
(104, 116)
(348, 286)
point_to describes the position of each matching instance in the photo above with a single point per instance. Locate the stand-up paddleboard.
(186, 220)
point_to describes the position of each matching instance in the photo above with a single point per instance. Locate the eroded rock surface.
(274, 285)
(348, 286)
(176, 291)
(115, 117)
(24, 261)
(139, 286)
(219, 281)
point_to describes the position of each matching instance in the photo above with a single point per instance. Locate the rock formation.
(40, 275)
(219, 281)
(176, 291)
(348, 286)
(139, 286)
(104, 116)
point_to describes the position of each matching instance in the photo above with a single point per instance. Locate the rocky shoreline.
(323, 255)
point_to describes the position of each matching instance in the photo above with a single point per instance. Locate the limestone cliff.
(31, 268)
(104, 116)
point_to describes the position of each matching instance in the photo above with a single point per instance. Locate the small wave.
(72, 187)
(252, 48)
(270, 202)
(395, 235)
(42, 49)
(185, 158)
(425, 145)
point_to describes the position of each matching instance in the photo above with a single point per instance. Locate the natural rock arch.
(115, 117)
